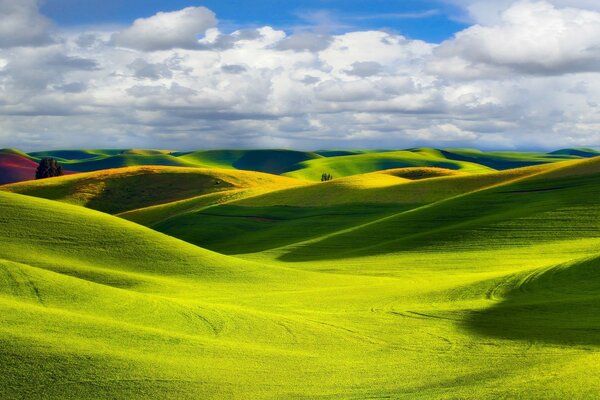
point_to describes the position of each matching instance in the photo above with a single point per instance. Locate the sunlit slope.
(287, 216)
(342, 166)
(77, 154)
(545, 207)
(269, 161)
(125, 160)
(124, 189)
(96, 307)
(389, 187)
(92, 306)
(63, 237)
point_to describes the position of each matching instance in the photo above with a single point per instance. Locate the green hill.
(402, 284)
(342, 166)
(505, 160)
(289, 215)
(76, 155)
(270, 161)
(124, 189)
(516, 213)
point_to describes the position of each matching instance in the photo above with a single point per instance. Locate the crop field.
(412, 274)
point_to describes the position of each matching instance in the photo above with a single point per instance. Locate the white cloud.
(21, 24)
(528, 77)
(532, 37)
(168, 30)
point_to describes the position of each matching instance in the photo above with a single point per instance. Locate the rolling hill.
(413, 283)
(298, 164)
(15, 166)
(125, 189)
(400, 300)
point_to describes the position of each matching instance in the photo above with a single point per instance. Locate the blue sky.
(432, 21)
(489, 74)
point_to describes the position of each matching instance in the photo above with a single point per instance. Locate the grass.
(342, 166)
(372, 286)
(125, 189)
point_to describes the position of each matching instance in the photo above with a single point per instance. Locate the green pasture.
(483, 284)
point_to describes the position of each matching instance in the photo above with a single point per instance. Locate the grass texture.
(404, 284)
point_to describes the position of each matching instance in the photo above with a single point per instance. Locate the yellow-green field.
(198, 283)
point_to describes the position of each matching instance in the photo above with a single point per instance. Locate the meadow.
(413, 274)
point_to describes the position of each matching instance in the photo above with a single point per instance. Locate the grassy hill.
(15, 166)
(298, 164)
(515, 213)
(270, 161)
(124, 189)
(412, 283)
(342, 166)
(501, 160)
(289, 215)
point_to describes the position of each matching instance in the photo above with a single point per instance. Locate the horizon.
(510, 75)
(309, 150)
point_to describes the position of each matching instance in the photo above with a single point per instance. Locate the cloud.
(305, 41)
(167, 30)
(527, 77)
(233, 69)
(532, 37)
(365, 68)
(143, 69)
(21, 24)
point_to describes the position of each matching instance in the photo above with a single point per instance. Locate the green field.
(414, 274)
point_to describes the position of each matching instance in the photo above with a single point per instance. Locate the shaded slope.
(287, 216)
(530, 210)
(505, 159)
(559, 304)
(77, 154)
(16, 167)
(342, 166)
(420, 173)
(126, 160)
(578, 152)
(119, 190)
(269, 161)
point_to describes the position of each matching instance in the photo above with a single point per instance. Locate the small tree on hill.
(326, 177)
(48, 168)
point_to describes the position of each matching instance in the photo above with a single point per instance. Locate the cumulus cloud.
(21, 24)
(365, 68)
(167, 30)
(525, 75)
(305, 41)
(532, 37)
(143, 69)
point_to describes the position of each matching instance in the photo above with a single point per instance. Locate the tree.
(48, 168)
(326, 177)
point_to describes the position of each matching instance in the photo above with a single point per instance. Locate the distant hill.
(296, 164)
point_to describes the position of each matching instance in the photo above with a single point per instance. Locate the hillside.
(297, 164)
(283, 217)
(125, 189)
(269, 161)
(15, 166)
(418, 283)
(517, 213)
(346, 165)
(97, 307)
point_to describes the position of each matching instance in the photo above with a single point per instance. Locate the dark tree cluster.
(48, 168)
(326, 177)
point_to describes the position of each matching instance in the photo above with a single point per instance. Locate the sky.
(315, 74)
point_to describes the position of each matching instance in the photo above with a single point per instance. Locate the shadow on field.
(559, 305)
